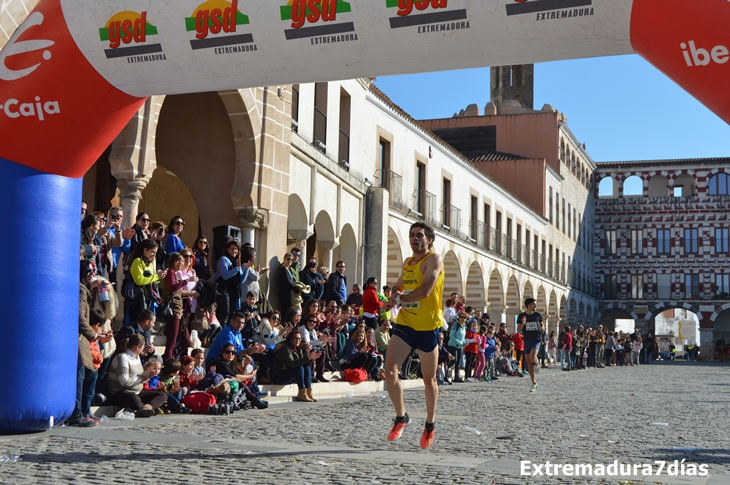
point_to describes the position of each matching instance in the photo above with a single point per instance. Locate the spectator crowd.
(215, 305)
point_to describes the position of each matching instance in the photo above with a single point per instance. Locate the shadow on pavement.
(78, 457)
(695, 455)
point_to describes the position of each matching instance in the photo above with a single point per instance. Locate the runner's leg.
(398, 350)
(429, 363)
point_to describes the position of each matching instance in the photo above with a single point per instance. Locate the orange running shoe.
(427, 438)
(397, 430)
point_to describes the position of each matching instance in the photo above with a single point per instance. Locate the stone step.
(334, 389)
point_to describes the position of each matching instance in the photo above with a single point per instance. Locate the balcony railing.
(425, 203)
(393, 183)
(320, 127)
(344, 148)
(295, 109)
(451, 218)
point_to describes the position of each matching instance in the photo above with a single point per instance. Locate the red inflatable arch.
(75, 71)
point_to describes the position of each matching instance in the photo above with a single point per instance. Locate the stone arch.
(551, 306)
(395, 259)
(246, 126)
(663, 306)
(718, 311)
(513, 301)
(721, 324)
(552, 312)
(346, 251)
(607, 188)
(193, 137)
(475, 286)
(452, 276)
(298, 220)
(658, 186)
(324, 239)
(688, 184)
(527, 291)
(495, 293)
(633, 186)
(581, 314)
(573, 313)
(563, 310)
(612, 311)
(542, 301)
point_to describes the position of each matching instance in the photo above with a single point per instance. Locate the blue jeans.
(302, 375)
(85, 385)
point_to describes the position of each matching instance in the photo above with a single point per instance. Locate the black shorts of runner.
(425, 341)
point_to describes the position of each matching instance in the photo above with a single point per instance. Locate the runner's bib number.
(532, 326)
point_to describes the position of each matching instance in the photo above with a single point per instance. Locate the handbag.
(164, 309)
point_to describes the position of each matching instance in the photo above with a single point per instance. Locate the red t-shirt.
(519, 341)
(473, 347)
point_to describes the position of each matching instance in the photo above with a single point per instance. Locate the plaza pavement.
(594, 416)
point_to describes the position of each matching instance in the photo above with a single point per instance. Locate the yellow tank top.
(426, 314)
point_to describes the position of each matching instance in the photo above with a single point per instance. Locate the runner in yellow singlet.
(418, 291)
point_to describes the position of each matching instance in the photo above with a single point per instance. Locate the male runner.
(419, 291)
(529, 327)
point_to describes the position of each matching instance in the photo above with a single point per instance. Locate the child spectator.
(471, 349)
(153, 366)
(489, 350)
(481, 346)
(188, 378)
(519, 342)
(445, 361)
(170, 383)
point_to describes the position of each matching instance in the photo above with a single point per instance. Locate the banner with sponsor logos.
(167, 47)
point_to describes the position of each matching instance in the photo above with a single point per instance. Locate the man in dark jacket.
(336, 287)
(145, 322)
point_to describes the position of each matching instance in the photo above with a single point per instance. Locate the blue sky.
(621, 107)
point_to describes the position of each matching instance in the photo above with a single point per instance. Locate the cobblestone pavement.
(634, 415)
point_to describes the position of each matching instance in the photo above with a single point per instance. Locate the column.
(130, 193)
(327, 247)
(300, 236)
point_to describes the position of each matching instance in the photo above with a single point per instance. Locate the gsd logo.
(523, 7)
(406, 17)
(127, 34)
(215, 23)
(15, 47)
(318, 14)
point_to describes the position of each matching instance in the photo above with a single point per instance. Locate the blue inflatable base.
(39, 291)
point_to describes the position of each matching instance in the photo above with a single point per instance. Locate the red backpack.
(356, 376)
(199, 402)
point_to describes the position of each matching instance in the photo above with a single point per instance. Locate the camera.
(161, 231)
(318, 349)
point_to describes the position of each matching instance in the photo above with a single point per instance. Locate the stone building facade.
(661, 239)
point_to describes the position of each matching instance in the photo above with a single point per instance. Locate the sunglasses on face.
(229, 351)
(179, 223)
(276, 319)
(202, 242)
(187, 256)
(311, 321)
(144, 220)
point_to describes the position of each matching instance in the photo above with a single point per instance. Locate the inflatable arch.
(75, 71)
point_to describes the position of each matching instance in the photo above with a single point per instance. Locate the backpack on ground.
(199, 402)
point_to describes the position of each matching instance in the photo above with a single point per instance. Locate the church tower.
(512, 88)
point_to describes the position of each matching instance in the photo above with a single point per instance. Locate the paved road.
(595, 416)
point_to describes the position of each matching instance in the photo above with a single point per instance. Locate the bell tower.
(513, 87)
